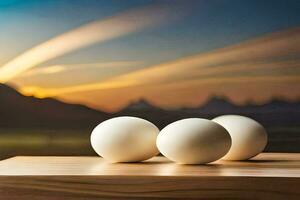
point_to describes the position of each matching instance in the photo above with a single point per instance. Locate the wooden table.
(268, 176)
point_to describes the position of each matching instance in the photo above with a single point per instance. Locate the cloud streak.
(54, 69)
(266, 49)
(98, 31)
(266, 53)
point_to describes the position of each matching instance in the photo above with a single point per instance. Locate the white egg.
(125, 139)
(193, 141)
(249, 138)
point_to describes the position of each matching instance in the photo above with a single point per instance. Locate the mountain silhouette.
(17, 110)
(21, 111)
(274, 113)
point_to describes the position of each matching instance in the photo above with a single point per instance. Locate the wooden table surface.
(267, 176)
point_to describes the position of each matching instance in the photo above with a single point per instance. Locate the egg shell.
(193, 141)
(249, 138)
(125, 139)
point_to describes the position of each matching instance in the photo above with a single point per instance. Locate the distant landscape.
(31, 126)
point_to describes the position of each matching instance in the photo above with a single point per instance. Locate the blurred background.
(67, 65)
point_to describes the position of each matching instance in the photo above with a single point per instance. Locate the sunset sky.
(107, 54)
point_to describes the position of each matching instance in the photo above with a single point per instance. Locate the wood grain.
(268, 176)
